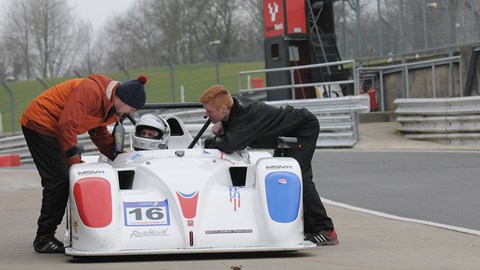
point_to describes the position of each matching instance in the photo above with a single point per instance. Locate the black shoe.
(47, 244)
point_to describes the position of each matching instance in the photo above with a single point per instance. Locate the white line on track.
(385, 215)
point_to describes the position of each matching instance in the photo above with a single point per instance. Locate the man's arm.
(217, 129)
(237, 137)
(103, 139)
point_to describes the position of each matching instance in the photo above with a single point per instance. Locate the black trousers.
(315, 215)
(54, 175)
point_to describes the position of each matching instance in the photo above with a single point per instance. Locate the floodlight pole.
(216, 43)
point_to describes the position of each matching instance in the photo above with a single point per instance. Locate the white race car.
(185, 200)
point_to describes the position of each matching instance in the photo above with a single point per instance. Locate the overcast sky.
(95, 11)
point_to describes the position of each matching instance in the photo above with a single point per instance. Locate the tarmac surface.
(367, 240)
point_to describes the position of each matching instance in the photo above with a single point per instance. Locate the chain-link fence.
(395, 29)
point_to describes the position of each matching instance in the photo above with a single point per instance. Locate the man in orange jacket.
(51, 124)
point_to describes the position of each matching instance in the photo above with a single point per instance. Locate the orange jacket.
(75, 107)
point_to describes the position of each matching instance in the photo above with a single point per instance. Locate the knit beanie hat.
(132, 92)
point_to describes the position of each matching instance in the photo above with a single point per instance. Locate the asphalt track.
(396, 204)
(441, 187)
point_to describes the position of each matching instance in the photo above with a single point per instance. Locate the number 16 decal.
(146, 213)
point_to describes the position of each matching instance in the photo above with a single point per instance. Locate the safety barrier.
(260, 92)
(405, 68)
(444, 120)
(338, 118)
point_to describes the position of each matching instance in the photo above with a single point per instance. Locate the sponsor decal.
(234, 194)
(135, 157)
(228, 231)
(151, 213)
(277, 167)
(188, 203)
(282, 181)
(273, 10)
(190, 223)
(149, 233)
(277, 26)
(91, 172)
(273, 17)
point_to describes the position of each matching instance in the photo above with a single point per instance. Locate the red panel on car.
(94, 201)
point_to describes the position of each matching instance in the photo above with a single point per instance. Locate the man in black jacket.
(240, 122)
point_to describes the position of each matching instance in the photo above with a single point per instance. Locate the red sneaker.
(324, 238)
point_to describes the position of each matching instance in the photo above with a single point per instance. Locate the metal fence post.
(292, 82)
(45, 86)
(359, 30)
(10, 93)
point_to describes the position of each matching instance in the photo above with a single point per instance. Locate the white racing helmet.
(151, 133)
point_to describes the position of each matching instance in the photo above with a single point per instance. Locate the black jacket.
(256, 124)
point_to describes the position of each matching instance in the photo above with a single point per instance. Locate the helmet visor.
(149, 132)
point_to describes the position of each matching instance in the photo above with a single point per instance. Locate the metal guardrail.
(260, 93)
(15, 145)
(338, 118)
(444, 120)
(405, 68)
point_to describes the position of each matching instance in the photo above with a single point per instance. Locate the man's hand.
(73, 160)
(209, 143)
(217, 128)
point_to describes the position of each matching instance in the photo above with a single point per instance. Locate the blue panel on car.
(283, 191)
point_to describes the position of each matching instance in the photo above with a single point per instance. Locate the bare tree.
(252, 29)
(222, 23)
(179, 31)
(54, 32)
(133, 39)
(177, 22)
(90, 55)
(3, 62)
(17, 37)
